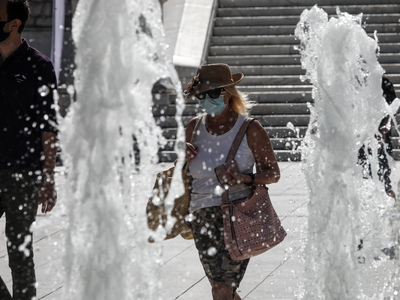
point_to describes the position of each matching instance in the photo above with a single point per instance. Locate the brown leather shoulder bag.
(251, 225)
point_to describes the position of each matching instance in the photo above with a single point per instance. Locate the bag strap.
(238, 139)
(232, 152)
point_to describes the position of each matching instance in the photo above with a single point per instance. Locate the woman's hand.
(191, 152)
(237, 178)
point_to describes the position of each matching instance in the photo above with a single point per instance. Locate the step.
(279, 97)
(275, 88)
(280, 109)
(279, 132)
(285, 132)
(275, 96)
(167, 156)
(282, 96)
(272, 80)
(286, 143)
(254, 50)
(394, 78)
(240, 60)
(283, 120)
(294, 19)
(254, 40)
(268, 70)
(391, 68)
(284, 39)
(386, 27)
(256, 21)
(191, 109)
(281, 155)
(385, 58)
(254, 30)
(297, 10)
(277, 143)
(290, 3)
(387, 37)
(289, 29)
(287, 155)
(279, 49)
(265, 120)
(289, 80)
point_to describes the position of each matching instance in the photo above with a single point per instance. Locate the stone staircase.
(256, 37)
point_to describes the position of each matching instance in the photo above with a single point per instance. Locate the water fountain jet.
(341, 63)
(120, 54)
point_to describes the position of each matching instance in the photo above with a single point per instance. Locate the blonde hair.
(240, 103)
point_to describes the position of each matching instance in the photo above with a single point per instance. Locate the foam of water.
(341, 63)
(120, 55)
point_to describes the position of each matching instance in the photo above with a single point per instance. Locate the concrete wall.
(172, 17)
(39, 27)
(38, 32)
(194, 32)
(188, 25)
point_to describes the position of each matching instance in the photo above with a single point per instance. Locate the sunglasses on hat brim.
(215, 93)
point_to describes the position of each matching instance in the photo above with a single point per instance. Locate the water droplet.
(290, 126)
(43, 91)
(211, 251)
(189, 218)
(71, 89)
(218, 190)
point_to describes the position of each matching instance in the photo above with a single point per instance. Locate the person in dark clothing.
(28, 140)
(385, 144)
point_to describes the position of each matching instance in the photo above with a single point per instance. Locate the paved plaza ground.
(276, 274)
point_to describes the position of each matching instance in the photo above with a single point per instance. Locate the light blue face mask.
(213, 106)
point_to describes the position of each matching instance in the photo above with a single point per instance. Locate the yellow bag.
(156, 214)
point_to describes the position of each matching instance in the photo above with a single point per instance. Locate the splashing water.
(341, 62)
(120, 55)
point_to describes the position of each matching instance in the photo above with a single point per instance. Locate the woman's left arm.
(266, 164)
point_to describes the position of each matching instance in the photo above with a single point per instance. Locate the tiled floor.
(277, 274)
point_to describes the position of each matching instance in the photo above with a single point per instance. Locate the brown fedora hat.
(209, 77)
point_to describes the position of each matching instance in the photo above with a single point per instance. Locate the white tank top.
(212, 152)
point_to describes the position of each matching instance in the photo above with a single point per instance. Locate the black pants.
(19, 203)
(208, 233)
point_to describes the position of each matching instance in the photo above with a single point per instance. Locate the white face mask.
(213, 106)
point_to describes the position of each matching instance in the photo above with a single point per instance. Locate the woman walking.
(225, 111)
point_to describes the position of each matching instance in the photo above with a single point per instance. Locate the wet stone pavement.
(276, 274)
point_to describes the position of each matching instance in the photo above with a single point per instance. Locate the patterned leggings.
(208, 232)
